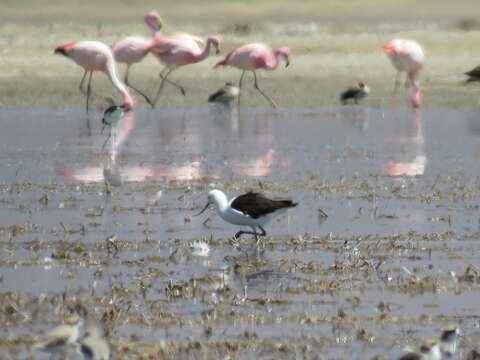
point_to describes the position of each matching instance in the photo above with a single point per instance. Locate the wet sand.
(389, 265)
(110, 233)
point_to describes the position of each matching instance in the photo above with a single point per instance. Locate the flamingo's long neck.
(112, 74)
(275, 63)
(204, 54)
(416, 94)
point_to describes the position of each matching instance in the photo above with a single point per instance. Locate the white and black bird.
(94, 346)
(250, 209)
(355, 93)
(448, 341)
(473, 75)
(225, 95)
(429, 350)
(111, 116)
(58, 341)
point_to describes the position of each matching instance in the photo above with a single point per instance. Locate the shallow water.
(400, 188)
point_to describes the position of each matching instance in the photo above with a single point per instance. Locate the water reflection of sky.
(375, 172)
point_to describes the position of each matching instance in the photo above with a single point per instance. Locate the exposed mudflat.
(394, 261)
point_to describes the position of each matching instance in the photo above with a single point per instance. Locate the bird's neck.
(120, 86)
(206, 51)
(276, 61)
(221, 204)
(157, 33)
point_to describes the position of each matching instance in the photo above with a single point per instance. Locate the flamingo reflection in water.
(410, 157)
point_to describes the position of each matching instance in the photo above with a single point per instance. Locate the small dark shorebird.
(354, 93)
(429, 350)
(59, 340)
(473, 75)
(448, 341)
(225, 95)
(250, 209)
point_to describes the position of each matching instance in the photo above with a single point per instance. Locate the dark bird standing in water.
(225, 95)
(473, 75)
(354, 93)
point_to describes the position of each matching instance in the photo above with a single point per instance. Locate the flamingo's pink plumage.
(252, 57)
(133, 49)
(95, 56)
(177, 52)
(408, 56)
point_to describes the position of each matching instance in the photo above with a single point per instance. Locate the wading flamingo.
(176, 52)
(251, 57)
(408, 56)
(95, 56)
(133, 49)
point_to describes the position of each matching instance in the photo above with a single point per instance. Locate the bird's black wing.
(349, 94)
(255, 205)
(216, 95)
(86, 351)
(474, 72)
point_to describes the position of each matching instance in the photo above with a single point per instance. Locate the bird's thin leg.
(411, 79)
(108, 137)
(240, 87)
(80, 86)
(164, 78)
(241, 232)
(238, 234)
(395, 86)
(273, 103)
(147, 99)
(264, 233)
(89, 89)
(177, 85)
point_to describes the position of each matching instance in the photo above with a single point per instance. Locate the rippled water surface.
(400, 188)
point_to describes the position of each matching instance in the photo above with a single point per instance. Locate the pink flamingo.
(252, 57)
(95, 56)
(133, 49)
(177, 52)
(408, 56)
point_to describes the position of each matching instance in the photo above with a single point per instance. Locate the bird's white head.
(285, 52)
(215, 197)
(153, 20)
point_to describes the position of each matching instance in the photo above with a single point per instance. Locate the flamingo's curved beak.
(204, 208)
(287, 61)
